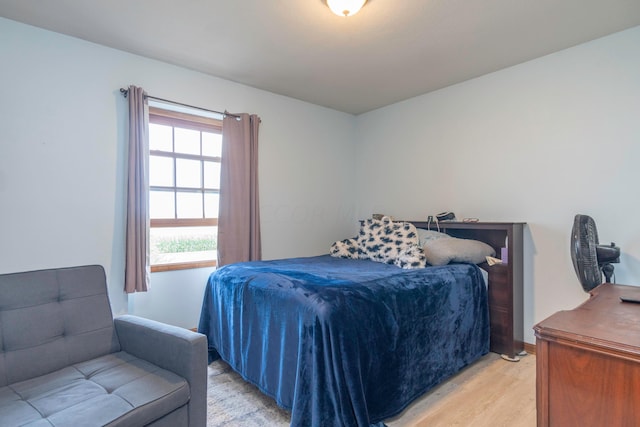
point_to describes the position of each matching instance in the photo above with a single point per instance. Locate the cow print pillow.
(383, 240)
(347, 248)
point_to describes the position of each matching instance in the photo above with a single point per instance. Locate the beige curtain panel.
(239, 213)
(137, 235)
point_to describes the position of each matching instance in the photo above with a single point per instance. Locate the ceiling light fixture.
(345, 7)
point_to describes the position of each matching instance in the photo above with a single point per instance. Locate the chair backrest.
(52, 318)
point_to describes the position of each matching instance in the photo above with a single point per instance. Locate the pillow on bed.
(412, 257)
(444, 251)
(383, 240)
(347, 248)
(425, 236)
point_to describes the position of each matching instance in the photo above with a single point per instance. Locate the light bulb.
(345, 7)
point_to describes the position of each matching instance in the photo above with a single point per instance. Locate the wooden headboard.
(505, 281)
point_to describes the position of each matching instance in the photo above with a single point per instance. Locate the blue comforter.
(343, 342)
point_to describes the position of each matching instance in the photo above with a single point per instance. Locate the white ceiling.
(392, 50)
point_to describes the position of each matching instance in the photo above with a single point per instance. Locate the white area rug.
(233, 402)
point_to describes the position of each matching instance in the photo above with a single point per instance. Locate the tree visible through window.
(184, 188)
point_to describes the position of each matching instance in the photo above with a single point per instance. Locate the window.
(184, 188)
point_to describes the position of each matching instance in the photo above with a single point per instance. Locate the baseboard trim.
(530, 348)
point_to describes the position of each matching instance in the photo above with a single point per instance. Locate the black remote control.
(635, 300)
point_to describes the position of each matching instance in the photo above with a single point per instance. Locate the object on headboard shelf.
(446, 216)
(493, 261)
(504, 255)
(442, 216)
(379, 217)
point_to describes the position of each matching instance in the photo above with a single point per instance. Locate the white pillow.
(444, 251)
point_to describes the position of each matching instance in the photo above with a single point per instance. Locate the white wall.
(62, 157)
(538, 142)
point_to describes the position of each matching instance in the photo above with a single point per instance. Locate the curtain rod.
(125, 92)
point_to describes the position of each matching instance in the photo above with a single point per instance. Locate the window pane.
(188, 173)
(160, 171)
(211, 144)
(211, 204)
(160, 137)
(161, 204)
(183, 244)
(212, 175)
(187, 141)
(189, 205)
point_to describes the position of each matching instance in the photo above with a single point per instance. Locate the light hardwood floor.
(490, 393)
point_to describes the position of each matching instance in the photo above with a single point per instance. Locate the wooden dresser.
(588, 362)
(505, 281)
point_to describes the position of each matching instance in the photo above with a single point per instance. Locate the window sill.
(182, 266)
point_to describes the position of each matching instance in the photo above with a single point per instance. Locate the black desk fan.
(591, 259)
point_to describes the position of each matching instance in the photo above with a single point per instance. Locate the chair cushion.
(116, 389)
(50, 319)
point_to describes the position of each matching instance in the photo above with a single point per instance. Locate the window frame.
(161, 116)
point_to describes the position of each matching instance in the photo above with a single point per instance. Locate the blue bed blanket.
(343, 342)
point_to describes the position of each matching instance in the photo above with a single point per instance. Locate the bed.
(345, 342)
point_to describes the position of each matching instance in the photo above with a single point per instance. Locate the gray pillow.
(444, 251)
(425, 236)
